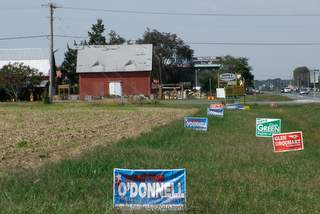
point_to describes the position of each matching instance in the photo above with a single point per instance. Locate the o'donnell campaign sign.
(149, 189)
(196, 123)
(215, 112)
(284, 142)
(267, 127)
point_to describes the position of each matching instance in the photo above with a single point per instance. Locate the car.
(286, 90)
(304, 92)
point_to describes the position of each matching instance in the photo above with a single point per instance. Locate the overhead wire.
(141, 12)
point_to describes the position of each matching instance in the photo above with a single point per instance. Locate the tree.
(115, 39)
(96, 36)
(16, 77)
(204, 78)
(69, 64)
(239, 65)
(168, 51)
(301, 77)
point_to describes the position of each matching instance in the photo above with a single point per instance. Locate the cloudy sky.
(27, 17)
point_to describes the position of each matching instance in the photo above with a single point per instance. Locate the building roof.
(37, 58)
(114, 58)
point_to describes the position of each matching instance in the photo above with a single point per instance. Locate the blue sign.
(215, 112)
(149, 189)
(235, 106)
(196, 123)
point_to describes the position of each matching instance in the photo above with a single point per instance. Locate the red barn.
(114, 70)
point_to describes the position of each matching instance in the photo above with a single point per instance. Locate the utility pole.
(51, 78)
(51, 7)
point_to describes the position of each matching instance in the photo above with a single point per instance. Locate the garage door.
(115, 89)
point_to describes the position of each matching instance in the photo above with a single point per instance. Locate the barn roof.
(37, 58)
(114, 58)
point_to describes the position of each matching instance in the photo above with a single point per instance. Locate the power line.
(40, 36)
(19, 8)
(23, 37)
(140, 12)
(257, 43)
(191, 43)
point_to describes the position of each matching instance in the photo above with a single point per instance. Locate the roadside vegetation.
(229, 170)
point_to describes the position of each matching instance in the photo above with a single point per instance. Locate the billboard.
(159, 189)
(196, 123)
(284, 142)
(227, 77)
(267, 127)
(215, 112)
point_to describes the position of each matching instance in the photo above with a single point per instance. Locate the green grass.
(229, 170)
(267, 97)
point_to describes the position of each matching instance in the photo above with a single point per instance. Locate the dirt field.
(33, 135)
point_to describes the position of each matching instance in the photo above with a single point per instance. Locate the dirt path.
(30, 137)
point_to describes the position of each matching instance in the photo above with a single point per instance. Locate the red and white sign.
(216, 105)
(285, 142)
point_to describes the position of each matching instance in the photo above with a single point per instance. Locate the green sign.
(267, 127)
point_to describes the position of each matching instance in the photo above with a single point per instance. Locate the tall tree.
(69, 64)
(168, 51)
(301, 77)
(239, 65)
(96, 36)
(115, 39)
(16, 77)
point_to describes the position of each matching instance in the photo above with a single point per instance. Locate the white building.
(37, 58)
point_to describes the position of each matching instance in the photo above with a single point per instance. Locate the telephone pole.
(51, 7)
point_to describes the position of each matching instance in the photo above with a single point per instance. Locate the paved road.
(297, 99)
(297, 96)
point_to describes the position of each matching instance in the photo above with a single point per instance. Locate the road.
(296, 96)
(297, 99)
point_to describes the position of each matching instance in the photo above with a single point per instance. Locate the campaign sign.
(215, 112)
(149, 189)
(234, 106)
(284, 142)
(267, 127)
(216, 105)
(196, 123)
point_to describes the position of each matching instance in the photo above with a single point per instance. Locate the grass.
(229, 170)
(267, 97)
(248, 98)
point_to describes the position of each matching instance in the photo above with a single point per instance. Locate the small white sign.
(221, 93)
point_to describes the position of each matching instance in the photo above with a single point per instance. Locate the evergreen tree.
(69, 64)
(96, 36)
(115, 39)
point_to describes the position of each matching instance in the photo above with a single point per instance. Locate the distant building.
(36, 58)
(114, 70)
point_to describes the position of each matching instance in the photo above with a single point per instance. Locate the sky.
(29, 17)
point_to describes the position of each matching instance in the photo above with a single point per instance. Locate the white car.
(304, 92)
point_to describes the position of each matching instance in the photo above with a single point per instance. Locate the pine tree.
(96, 36)
(69, 64)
